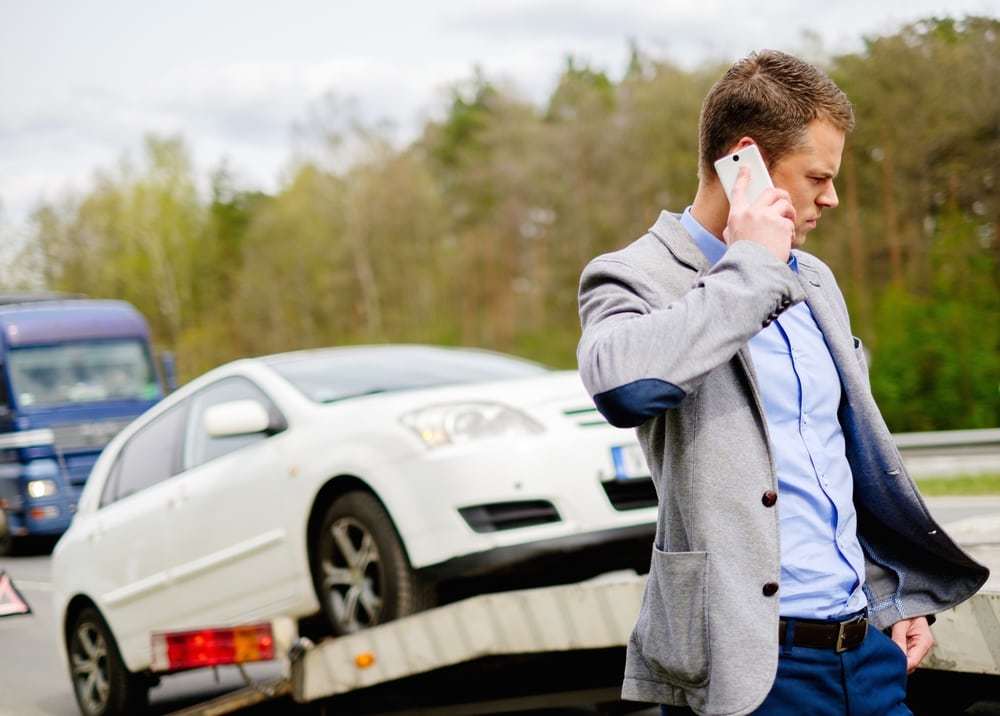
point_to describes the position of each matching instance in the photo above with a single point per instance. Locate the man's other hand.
(768, 221)
(914, 637)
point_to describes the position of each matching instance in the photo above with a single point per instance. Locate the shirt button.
(770, 589)
(769, 498)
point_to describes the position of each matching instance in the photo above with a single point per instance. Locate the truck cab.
(73, 372)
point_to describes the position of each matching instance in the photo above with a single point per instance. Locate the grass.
(984, 484)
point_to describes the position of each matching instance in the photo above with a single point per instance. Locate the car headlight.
(41, 488)
(456, 423)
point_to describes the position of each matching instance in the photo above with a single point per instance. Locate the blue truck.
(73, 372)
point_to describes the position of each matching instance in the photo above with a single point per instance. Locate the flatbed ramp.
(576, 617)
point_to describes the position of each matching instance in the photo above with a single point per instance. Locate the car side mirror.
(240, 417)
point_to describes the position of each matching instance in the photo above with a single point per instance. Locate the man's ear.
(746, 142)
(742, 144)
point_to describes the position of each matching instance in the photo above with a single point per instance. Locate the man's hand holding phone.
(769, 220)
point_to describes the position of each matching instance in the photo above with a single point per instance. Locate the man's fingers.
(774, 195)
(786, 209)
(920, 641)
(740, 185)
(899, 635)
(916, 655)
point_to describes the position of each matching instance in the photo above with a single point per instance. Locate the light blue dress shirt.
(822, 565)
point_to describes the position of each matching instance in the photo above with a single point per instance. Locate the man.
(787, 523)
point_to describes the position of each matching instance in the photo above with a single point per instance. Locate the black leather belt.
(839, 636)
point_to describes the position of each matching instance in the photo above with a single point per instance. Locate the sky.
(82, 83)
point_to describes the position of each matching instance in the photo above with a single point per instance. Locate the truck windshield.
(82, 372)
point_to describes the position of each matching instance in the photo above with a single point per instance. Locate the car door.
(129, 533)
(231, 550)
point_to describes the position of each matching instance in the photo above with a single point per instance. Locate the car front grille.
(630, 494)
(509, 515)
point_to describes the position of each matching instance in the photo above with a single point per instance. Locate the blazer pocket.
(672, 629)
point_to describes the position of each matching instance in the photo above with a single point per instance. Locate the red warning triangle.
(11, 601)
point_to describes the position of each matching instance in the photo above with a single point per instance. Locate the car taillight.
(175, 651)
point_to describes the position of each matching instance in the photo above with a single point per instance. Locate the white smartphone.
(729, 167)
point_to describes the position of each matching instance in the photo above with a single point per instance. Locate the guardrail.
(950, 452)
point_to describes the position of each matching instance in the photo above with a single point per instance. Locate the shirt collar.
(712, 247)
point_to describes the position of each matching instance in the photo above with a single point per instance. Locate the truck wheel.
(103, 686)
(360, 569)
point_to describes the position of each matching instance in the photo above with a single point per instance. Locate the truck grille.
(509, 515)
(87, 436)
(630, 494)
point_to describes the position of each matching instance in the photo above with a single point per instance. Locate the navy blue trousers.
(869, 680)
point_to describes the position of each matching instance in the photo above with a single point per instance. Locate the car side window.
(149, 456)
(199, 446)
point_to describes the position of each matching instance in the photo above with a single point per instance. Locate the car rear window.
(328, 376)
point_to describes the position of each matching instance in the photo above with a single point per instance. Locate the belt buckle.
(840, 647)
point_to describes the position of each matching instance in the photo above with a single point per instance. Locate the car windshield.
(338, 374)
(82, 372)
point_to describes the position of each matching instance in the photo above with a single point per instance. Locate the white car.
(363, 483)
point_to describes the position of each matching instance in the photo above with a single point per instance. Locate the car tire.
(361, 572)
(102, 684)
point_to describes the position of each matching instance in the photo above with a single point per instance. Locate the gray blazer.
(664, 349)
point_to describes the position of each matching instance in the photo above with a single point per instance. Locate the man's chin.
(799, 241)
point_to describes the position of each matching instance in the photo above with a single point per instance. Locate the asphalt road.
(34, 680)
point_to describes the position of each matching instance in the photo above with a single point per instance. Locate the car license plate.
(629, 462)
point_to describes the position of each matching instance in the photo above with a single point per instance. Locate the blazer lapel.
(669, 230)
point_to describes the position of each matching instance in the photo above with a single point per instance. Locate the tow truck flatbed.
(545, 647)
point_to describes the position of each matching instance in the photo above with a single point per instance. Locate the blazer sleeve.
(639, 359)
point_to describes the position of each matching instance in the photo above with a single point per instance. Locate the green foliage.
(940, 344)
(476, 233)
(467, 116)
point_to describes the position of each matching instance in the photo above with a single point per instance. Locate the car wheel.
(360, 569)
(103, 686)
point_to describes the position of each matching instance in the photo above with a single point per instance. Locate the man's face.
(807, 174)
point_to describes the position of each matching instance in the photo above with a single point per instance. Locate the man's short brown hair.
(770, 97)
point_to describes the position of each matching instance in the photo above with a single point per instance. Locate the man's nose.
(829, 197)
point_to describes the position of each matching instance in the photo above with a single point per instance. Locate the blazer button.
(770, 589)
(786, 302)
(766, 323)
(769, 498)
